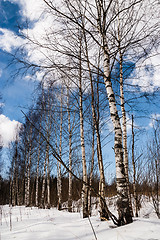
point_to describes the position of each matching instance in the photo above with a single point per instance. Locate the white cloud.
(42, 23)
(147, 72)
(129, 123)
(8, 40)
(2, 104)
(30, 9)
(154, 117)
(8, 130)
(43, 51)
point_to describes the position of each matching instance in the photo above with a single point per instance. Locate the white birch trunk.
(28, 180)
(14, 186)
(10, 190)
(123, 200)
(85, 187)
(124, 122)
(47, 150)
(70, 156)
(59, 177)
(26, 173)
(43, 183)
(38, 159)
(45, 160)
(134, 172)
(28, 169)
(48, 178)
(15, 178)
(124, 125)
(91, 175)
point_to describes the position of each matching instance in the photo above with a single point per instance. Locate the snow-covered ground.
(23, 223)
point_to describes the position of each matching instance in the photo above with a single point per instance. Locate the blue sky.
(10, 16)
(17, 93)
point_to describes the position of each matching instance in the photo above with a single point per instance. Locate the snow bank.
(23, 223)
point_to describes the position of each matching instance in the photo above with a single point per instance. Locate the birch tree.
(103, 213)
(59, 175)
(38, 161)
(14, 180)
(70, 153)
(28, 166)
(134, 171)
(85, 187)
(47, 108)
(40, 105)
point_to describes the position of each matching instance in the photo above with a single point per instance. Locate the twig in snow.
(92, 228)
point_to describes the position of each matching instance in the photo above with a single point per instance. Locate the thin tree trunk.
(48, 178)
(134, 172)
(10, 190)
(38, 159)
(24, 176)
(17, 188)
(45, 160)
(14, 186)
(85, 187)
(47, 110)
(28, 169)
(91, 174)
(103, 211)
(25, 182)
(28, 178)
(156, 200)
(59, 177)
(28, 181)
(70, 155)
(44, 182)
(15, 179)
(47, 150)
(157, 174)
(124, 124)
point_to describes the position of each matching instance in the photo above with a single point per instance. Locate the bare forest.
(88, 98)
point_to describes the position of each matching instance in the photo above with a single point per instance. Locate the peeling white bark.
(123, 200)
